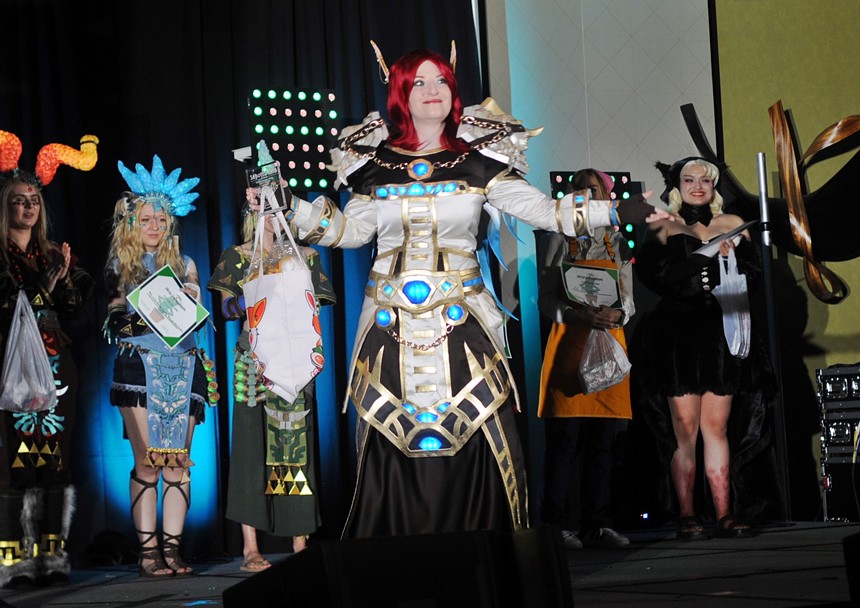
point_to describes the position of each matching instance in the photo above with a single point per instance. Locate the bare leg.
(253, 559)
(715, 417)
(686, 412)
(143, 490)
(175, 501)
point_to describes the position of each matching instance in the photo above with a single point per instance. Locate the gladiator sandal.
(143, 506)
(173, 511)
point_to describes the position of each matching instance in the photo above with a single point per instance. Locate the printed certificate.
(170, 312)
(591, 285)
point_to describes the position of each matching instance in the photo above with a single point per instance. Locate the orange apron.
(560, 393)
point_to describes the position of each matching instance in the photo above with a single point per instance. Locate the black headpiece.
(672, 173)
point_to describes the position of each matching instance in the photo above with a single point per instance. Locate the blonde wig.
(712, 172)
(125, 257)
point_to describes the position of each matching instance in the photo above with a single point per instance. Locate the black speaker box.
(525, 569)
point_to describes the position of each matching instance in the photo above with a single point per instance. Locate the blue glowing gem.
(382, 192)
(446, 286)
(409, 407)
(416, 291)
(387, 290)
(401, 190)
(383, 317)
(451, 187)
(420, 169)
(455, 312)
(324, 223)
(416, 190)
(429, 444)
(426, 417)
(443, 407)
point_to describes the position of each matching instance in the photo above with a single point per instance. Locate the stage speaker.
(526, 569)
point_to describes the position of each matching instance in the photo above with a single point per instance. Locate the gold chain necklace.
(500, 134)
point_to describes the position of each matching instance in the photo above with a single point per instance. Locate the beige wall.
(807, 54)
(606, 78)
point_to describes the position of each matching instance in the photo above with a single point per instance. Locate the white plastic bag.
(604, 362)
(731, 293)
(282, 313)
(27, 380)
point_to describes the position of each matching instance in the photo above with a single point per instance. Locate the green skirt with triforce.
(280, 499)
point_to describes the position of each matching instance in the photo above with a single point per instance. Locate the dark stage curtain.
(172, 78)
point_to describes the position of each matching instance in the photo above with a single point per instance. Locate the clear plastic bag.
(27, 380)
(731, 293)
(604, 362)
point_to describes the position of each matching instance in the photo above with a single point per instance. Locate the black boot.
(54, 565)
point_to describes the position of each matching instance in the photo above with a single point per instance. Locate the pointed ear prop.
(383, 69)
(453, 59)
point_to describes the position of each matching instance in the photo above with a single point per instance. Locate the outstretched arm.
(574, 214)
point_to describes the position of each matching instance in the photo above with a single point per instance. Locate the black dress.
(679, 348)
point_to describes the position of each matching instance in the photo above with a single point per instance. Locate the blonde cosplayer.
(674, 197)
(126, 243)
(161, 390)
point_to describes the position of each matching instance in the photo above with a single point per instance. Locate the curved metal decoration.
(826, 216)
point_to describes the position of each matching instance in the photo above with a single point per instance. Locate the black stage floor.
(792, 564)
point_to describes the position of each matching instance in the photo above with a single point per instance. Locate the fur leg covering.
(57, 521)
(23, 566)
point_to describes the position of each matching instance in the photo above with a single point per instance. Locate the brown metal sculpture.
(827, 216)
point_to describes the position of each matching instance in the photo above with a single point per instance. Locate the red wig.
(401, 81)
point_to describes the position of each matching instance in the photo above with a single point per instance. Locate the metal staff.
(773, 338)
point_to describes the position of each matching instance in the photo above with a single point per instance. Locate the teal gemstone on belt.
(416, 190)
(416, 291)
(426, 417)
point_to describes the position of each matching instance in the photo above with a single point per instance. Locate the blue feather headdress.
(159, 189)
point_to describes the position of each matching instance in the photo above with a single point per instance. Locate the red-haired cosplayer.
(438, 449)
